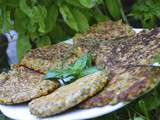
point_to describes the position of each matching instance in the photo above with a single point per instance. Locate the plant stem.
(122, 12)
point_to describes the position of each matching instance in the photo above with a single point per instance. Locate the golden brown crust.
(139, 49)
(68, 96)
(51, 57)
(103, 31)
(21, 84)
(125, 85)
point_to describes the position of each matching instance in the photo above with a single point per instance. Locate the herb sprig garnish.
(82, 67)
(157, 58)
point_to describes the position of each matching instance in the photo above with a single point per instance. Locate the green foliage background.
(43, 22)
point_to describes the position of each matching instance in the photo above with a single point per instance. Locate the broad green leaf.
(81, 20)
(75, 3)
(34, 20)
(73, 71)
(88, 3)
(100, 17)
(52, 14)
(23, 45)
(58, 33)
(50, 75)
(113, 8)
(99, 1)
(21, 21)
(81, 62)
(89, 14)
(42, 18)
(25, 8)
(43, 41)
(39, 16)
(12, 3)
(6, 20)
(61, 73)
(68, 17)
(142, 106)
(152, 100)
(32, 26)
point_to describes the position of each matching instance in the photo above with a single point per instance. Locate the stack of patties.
(76, 92)
(117, 52)
(24, 81)
(128, 61)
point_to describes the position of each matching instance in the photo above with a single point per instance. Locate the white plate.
(21, 112)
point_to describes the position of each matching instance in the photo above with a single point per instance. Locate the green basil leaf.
(62, 73)
(74, 3)
(52, 14)
(99, 1)
(51, 74)
(12, 3)
(80, 64)
(88, 3)
(21, 21)
(143, 108)
(74, 71)
(68, 17)
(58, 33)
(157, 58)
(88, 71)
(25, 8)
(42, 18)
(81, 20)
(23, 45)
(113, 8)
(100, 17)
(6, 22)
(68, 72)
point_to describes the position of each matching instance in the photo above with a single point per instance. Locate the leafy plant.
(43, 22)
(147, 12)
(80, 68)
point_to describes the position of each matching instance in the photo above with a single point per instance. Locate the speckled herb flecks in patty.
(124, 85)
(140, 49)
(103, 31)
(51, 57)
(21, 84)
(68, 96)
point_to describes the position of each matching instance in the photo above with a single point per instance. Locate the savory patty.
(139, 49)
(114, 55)
(103, 31)
(51, 57)
(68, 96)
(21, 84)
(125, 84)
